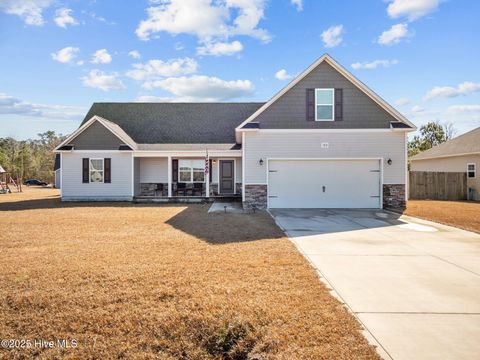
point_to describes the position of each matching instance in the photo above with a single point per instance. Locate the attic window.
(324, 104)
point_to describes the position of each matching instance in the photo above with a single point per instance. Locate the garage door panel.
(324, 184)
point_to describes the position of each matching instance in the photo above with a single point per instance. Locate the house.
(461, 154)
(324, 141)
(56, 169)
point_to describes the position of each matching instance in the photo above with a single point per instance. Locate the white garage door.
(324, 184)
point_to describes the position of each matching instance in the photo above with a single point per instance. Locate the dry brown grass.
(165, 282)
(462, 214)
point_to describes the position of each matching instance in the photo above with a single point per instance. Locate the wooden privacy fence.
(437, 185)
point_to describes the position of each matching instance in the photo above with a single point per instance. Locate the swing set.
(7, 182)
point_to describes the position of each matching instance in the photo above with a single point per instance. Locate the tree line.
(431, 134)
(32, 158)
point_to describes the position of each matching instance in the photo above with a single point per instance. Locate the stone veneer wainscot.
(255, 195)
(394, 196)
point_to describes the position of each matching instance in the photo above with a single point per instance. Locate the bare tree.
(449, 129)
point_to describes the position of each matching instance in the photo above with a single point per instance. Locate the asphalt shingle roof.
(467, 143)
(176, 123)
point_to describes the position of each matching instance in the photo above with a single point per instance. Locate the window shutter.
(175, 170)
(107, 163)
(310, 104)
(338, 104)
(210, 170)
(86, 170)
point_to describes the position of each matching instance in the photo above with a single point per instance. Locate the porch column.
(169, 167)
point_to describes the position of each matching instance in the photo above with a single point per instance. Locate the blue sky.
(58, 57)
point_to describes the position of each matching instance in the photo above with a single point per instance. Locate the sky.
(57, 57)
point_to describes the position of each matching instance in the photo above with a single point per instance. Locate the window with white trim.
(471, 171)
(96, 170)
(324, 104)
(191, 171)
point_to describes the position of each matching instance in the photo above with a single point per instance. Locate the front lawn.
(462, 214)
(164, 282)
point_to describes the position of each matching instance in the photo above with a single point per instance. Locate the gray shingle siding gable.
(359, 110)
(96, 137)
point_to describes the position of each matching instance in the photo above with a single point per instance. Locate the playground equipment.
(7, 182)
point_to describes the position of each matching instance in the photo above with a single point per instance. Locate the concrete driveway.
(413, 284)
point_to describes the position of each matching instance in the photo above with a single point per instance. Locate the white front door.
(324, 184)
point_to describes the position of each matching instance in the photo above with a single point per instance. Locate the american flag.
(207, 162)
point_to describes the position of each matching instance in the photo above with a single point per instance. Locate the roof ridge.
(177, 103)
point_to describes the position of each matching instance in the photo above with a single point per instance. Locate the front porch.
(183, 178)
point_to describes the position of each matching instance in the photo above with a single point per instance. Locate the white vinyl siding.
(154, 170)
(121, 174)
(288, 145)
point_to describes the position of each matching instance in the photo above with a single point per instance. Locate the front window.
(471, 170)
(324, 104)
(191, 171)
(96, 170)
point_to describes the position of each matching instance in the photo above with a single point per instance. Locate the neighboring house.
(56, 168)
(461, 154)
(323, 141)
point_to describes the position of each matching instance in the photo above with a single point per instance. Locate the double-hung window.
(324, 104)
(96, 170)
(471, 170)
(191, 171)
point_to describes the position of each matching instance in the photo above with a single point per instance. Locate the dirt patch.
(163, 282)
(461, 214)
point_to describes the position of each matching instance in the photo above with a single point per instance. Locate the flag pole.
(207, 174)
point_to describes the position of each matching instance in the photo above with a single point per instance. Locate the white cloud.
(374, 64)
(457, 109)
(412, 9)
(154, 69)
(63, 18)
(134, 54)
(464, 88)
(30, 11)
(332, 36)
(283, 75)
(220, 48)
(298, 4)
(402, 101)
(101, 57)
(10, 105)
(205, 19)
(417, 109)
(103, 81)
(65, 55)
(394, 35)
(203, 88)
(98, 18)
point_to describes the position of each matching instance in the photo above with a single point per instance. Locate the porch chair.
(159, 188)
(197, 189)
(181, 189)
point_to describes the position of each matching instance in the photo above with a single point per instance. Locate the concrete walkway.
(413, 284)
